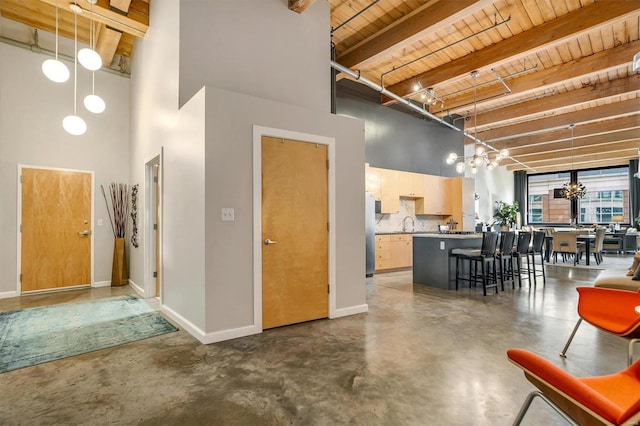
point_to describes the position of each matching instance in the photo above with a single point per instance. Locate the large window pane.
(607, 198)
(542, 206)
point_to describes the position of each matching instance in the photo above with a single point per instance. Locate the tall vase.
(119, 271)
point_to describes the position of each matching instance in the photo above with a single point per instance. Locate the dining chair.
(611, 399)
(598, 244)
(611, 310)
(566, 242)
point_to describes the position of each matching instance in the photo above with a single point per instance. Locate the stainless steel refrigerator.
(370, 231)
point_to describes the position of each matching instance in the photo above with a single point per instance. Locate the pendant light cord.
(75, 62)
(56, 30)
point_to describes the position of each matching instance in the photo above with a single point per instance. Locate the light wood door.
(295, 276)
(56, 229)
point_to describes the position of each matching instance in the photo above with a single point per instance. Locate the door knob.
(84, 233)
(268, 241)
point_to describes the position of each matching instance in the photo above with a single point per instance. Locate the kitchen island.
(432, 265)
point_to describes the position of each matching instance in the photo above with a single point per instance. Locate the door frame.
(19, 221)
(149, 234)
(258, 133)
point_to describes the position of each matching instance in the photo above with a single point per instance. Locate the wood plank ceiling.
(543, 65)
(117, 23)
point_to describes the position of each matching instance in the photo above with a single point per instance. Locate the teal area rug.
(36, 335)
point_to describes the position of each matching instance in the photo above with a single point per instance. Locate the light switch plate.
(228, 214)
(441, 245)
(99, 222)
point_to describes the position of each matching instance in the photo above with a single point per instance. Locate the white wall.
(258, 47)
(230, 120)
(492, 185)
(274, 76)
(157, 124)
(31, 133)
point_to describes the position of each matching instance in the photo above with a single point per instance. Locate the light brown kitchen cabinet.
(394, 251)
(411, 184)
(437, 200)
(372, 181)
(389, 196)
(462, 192)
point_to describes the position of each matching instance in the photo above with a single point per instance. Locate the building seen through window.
(606, 201)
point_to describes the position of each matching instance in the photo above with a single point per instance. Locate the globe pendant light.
(87, 56)
(54, 69)
(74, 124)
(93, 103)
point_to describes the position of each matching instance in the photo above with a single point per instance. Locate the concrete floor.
(421, 356)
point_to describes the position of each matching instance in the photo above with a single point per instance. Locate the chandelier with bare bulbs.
(480, 156)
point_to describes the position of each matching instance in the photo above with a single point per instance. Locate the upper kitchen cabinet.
(411, 184)
(384, 184)
(372, 181)
(437, 199)
(462, 193)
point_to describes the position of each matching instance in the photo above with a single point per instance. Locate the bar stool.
(522, 249)
(504, 257)
(484, 256)
(538, 248)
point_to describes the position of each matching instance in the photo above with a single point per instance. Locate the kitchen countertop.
(432, 234)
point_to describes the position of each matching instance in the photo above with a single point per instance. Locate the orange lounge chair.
(610, 310)
(612, 399)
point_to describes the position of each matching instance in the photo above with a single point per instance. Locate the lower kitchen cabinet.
(394, 251)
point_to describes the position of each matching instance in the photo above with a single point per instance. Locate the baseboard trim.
(101, 284)
(8, 294)
(208, 338)
(351, 310)
(136, 288)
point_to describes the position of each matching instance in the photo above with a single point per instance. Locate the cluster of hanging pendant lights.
(56, 71)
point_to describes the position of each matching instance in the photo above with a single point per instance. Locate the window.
(607, 198)
(542, 206)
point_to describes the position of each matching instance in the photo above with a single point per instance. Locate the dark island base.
(432, 265)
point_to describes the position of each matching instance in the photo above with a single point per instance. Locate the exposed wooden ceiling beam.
(122, 5)
(564, 153)
(606, 60)
(586, 94)
(516, 47)
(601, 140)
(299, 6)
(107, 43)
(584, 130)
(136, 22)
(431, 18)
(608, 111)
(552, 166)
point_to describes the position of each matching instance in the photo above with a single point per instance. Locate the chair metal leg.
(573, 333)
(457, 272)
(527, 404)
(631, 343)
(544, 277)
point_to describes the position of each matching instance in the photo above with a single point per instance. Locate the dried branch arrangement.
(118, 210)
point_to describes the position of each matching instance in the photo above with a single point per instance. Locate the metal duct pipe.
(411, 105)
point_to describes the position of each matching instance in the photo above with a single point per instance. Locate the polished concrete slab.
(421, 356)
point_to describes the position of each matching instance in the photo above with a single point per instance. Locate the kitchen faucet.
(413, 224)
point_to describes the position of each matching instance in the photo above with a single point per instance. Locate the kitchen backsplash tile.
(393, 222)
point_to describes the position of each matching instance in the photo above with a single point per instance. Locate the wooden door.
(295, 278)
(56, 229)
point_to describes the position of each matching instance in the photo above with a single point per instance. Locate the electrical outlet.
(99, 222)
(228, 214)
(441, 245)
